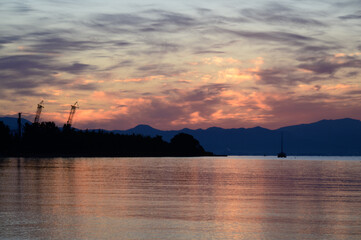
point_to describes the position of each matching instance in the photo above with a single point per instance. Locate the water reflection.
(179, 198)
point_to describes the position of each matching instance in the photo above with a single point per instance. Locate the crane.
(72, 112)
(38, 111)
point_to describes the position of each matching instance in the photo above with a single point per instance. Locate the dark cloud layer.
(8, 39)
(280, 37)
(75, 68)
(60, 45)
(26, 65)
(38, 65)
(280, 14)
(16, 7)
(32, 71)
(167, 70)
(325, 66)
(356, 15)
(316, 48)
(148, 21)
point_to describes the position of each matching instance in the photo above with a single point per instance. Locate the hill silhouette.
(341, 137)
(12, 122)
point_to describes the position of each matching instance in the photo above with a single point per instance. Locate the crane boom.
(72, 112)
(38, 112)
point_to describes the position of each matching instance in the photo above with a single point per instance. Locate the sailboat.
(281, 154)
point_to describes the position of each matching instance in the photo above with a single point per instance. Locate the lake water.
(181, 198)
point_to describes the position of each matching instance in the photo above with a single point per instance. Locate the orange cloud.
(258, 62)
(233, 75)
(196, 118)
(221, 61)
(144, 79)
(337, 55)
(98, 95)
(304, 70)
(341, 86)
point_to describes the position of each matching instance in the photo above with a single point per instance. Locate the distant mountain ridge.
(12, 122)
(341, 137)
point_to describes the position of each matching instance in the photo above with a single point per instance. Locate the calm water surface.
(180, 198)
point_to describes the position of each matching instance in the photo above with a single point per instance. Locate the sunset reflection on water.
(179, 198)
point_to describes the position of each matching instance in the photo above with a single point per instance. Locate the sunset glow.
(177, 64)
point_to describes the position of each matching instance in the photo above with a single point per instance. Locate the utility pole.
(19, 124)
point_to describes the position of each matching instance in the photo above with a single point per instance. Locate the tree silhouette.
(186, 145)
(46, 139)
(5, 139)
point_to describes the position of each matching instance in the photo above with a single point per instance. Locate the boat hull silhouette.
(281, 154)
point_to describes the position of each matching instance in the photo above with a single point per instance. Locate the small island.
(47, 140)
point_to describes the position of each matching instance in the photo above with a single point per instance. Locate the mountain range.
(12, 122)
(341, 137)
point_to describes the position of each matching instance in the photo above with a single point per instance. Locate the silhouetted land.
(340, 137)
(48, 140)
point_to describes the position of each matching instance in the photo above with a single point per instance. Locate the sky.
(181, 64)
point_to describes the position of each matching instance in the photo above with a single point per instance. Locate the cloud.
(160, 48)
(76, 68)
(220, 61)
(65, 42)
(81, 86)
(352, 74)
(153, 20)
(60, 45)
(119, 19)
(30, 92)
(8, 39)
(331, 65)
(347, 4)
(16, 7)
(122, 43)
(161, 69)
(159, 31)
(25, 66)
(354, 92)
(287, 77)
(213, 105)
(167, 18)
(203, 93)
(121, 64)
(316, 48)
(182, 67)
(310, 108)
(26, 75)
(203, 106)
(202, 51)
(355, 16)
(273, 36)
(164, 110)
(279, 14)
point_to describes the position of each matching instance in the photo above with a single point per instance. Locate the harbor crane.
(72, 112)
(38, 111)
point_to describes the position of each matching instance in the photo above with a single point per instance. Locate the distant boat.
(281, 154)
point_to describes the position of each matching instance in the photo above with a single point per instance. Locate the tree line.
(47, 140)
